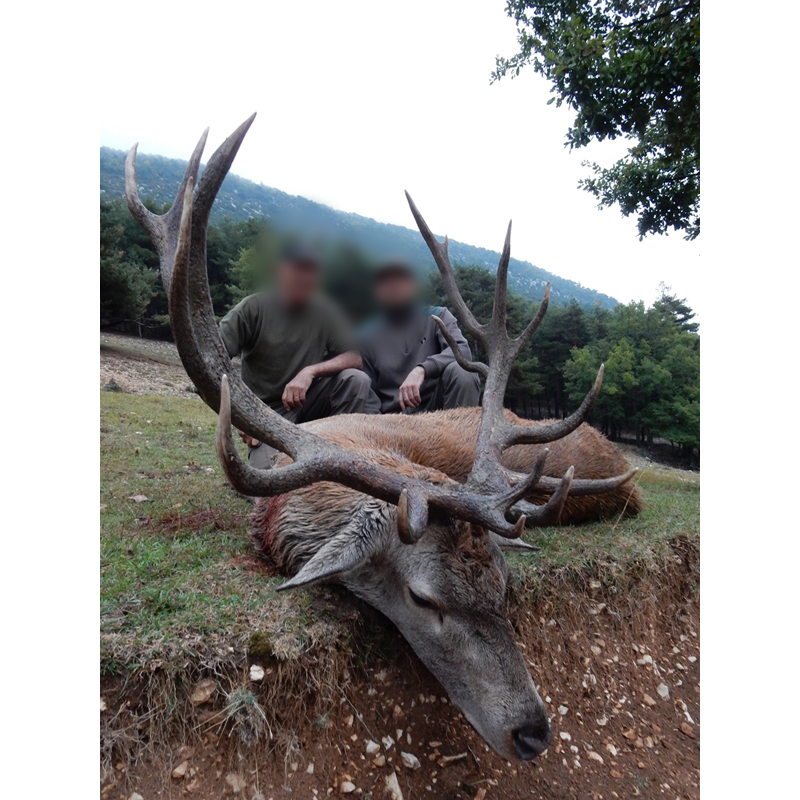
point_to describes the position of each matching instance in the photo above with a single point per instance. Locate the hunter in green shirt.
(297, 352)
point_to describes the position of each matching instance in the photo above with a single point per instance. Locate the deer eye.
(421, 601)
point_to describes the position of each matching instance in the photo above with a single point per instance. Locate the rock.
(648, 701)
(434, 745)
(387, 742)
(640, 764)
(102, 704)
(603, 721)
(645, 659)
(180, 770)
(410, 761)
(593, 755)
(139, 498)
(562, 710)
(611, 749)
(639, 743)
(398, 734)
(692, 659)
(203, 691)
(398, 712)
(185, 752)
(236, 783)
(480, 794)
(565, 737)
(310, 769)
(347, 787)
(629, 735)
(615, 773)
(379, 760)
(294, 766)
(648, 742)
(596, 650)
(663, 691)
(687, 730)
(393, 787)
(256, 673)
(349, 722)
(136, 796)
(372, 747)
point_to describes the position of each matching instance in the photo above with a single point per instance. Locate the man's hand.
(248, 440)
(409, 389)
(294, 395)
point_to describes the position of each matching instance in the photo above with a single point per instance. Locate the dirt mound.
(617, 665)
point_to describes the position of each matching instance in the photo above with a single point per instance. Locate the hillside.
(239, 198)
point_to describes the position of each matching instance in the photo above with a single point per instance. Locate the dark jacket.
(390, 350)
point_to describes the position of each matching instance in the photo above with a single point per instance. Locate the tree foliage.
(651, 385)
(629, 69)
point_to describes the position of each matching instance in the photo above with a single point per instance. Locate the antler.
(180, 240)
(496, 433)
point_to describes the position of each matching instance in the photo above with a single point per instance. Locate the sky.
(358, 101)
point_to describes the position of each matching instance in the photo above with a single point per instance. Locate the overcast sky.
(357, 101)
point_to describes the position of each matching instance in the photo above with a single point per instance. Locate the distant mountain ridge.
(239, 198)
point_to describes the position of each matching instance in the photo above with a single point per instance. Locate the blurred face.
(394, 289)
(297, 282)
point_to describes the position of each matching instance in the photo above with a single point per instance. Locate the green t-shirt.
(276, 343)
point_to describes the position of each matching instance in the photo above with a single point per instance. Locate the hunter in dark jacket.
(409, 363)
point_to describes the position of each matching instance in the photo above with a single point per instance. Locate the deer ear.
(359, 541)
(513, 545)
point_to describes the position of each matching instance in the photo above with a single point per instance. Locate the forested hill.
(239, 198)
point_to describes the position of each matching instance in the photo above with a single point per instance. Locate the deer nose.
(532, 740)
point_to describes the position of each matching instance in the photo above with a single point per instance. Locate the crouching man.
(297, 351)
(410, 365)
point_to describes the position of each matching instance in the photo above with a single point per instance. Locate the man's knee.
(455, 374)
(355, 380)
(260, 457)
(460, 387)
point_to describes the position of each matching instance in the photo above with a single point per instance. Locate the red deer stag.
(410, 513)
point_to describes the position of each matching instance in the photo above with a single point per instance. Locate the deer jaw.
(446, 595)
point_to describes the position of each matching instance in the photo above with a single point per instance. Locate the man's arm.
(433, 366)
(236, 327)
(294, 395)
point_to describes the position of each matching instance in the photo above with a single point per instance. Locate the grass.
(178, 571)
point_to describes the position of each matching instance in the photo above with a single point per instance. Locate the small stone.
(692, 659)
(372, 747)
(102, 704)
(180, 770)
(615, 773)
(663, 691)
(393, 787)
(593, 755)
(640, 764)
(398, 712)
(139, 498)
(379, 760)
(562, 710)
(687, 730)
(596, 650)
(573, 748)
(294, 766)
(410, 760)
(347, 787)
(480, 794)
(603, 721)
(398, 734)
(203, 691)
(136, 796)
(565, 737)
(434, 745)
(648, 742)
(310, 769)
(236, 783)
(639, 743)
(387, 742)
(256, 673)
(648, 701)
(611, 749)
(349, 722)
(629, 735)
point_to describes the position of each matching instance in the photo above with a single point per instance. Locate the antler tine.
(582, 487)
(501, 287)
(550, 513)
(534, 324)
(539, 434)
(470, 366)
(442, 259)
(162, 229)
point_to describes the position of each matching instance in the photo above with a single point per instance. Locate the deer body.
(410, 513)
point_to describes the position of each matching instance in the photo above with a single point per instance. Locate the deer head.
(422, 548)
